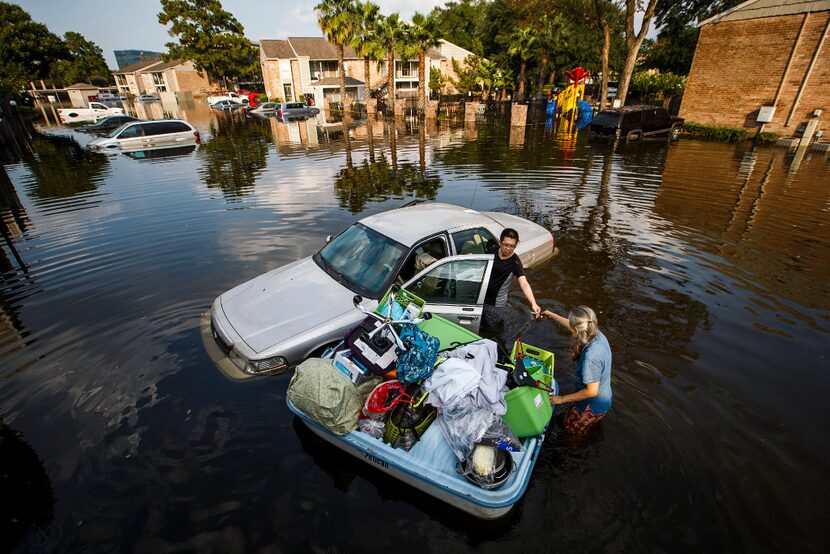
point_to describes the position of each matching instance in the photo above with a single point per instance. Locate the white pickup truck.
(95, 111)
(232, 96)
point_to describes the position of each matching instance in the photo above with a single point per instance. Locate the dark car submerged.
(636, 122)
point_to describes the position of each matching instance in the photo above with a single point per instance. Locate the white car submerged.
(440, 252)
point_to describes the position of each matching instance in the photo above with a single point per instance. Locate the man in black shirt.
(506, 266)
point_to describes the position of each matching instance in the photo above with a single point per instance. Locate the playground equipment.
(568, 105)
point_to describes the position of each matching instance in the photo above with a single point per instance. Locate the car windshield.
(114, 132)
(606, 118)
(361, 259)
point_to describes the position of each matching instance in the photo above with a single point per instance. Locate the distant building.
(762, 54)
(128, 57)
(307, 66)
(156, 76)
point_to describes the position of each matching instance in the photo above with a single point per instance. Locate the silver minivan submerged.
(141, 135)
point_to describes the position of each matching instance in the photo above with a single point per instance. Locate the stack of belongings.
(468, 389)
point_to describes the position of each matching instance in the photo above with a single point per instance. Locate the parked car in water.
(289, 110)
(107, 124)
(226, 105)
(164, 152)
(141, 135)
(442, 253)
(636, 122)
(93, 111)
(269, 108)
(148, 98)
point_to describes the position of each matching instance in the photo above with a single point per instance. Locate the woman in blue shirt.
(592, 382)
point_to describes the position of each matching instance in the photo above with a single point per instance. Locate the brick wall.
(739, 65)
(186, 78)
(271, 78)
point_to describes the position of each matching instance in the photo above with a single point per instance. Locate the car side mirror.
(328, 239)
(357, 299)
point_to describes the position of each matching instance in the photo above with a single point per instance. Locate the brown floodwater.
(708, 264)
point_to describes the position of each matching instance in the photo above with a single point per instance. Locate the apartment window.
(289, 92)
(159, 82)
(321, 69)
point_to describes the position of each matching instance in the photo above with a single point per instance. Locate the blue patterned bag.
(418, 360)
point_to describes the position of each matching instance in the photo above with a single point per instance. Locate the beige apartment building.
(307, 67)
(156, 76)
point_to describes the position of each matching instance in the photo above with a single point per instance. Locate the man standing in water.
(506, 266)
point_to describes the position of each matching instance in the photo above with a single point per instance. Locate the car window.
(453, 282)
(177, 127)
(648, 117)
(361, 259)
(423, 255)
(475, 241)
(132, 132)
(153, 129)
(662, 118)
(609, 119)
(632, 120)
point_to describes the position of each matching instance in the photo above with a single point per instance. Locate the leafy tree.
(210, 37)
(363, 42)
(339, 22)
(551, 37)
(391, 35)
(437, 80)
(28, 50)
(86, 64)
(459, 23)
(679, 13)
(466, 74)
(633, 41)
(423, 35)
(673, 51)
(523, 44)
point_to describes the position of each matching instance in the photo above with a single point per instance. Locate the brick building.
(156, 76)
(308, 66)
(762, 53)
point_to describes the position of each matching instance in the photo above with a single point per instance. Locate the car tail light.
(279, 113)
(196, 134)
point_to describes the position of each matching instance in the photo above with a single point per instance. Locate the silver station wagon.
(141, 135)
(442, 253)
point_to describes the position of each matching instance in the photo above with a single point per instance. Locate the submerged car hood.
(282, 303)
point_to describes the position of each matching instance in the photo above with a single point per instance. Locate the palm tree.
(423, 35)
(523, 42)
(364, 43)
(390, 33)
(550, 35)
(337, 21)
(487, 74)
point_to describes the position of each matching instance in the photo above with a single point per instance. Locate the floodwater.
(708, 264)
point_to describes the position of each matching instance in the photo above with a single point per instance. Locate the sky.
(133, 24)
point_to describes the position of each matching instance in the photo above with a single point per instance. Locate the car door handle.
(467, 319)
(467, 309)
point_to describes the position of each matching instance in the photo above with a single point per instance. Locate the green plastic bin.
(528, 408)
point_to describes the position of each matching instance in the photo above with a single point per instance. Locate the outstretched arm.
(590, 391)
(528, 292)
(563, 321)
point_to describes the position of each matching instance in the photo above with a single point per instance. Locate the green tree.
(460, 22)
(551, 38)
(339, 22)
(466, 74)
(673, 51)
(86, 63)
(364, 43)
(210, 37)
(437, 80)
(633, 41)
(523, 44)
(423, 35)
(391, 35)
(28, 50)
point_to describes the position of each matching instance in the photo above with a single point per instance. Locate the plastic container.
(528, 408)
(535, 357)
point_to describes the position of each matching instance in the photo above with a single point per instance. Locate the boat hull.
(454, 490)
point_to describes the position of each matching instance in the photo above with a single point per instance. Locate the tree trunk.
(367, 86)
(542, 70)
(633, 42)
(422, 98)
(342, 67)
(521, 93)
(390, 80)
(606, 49)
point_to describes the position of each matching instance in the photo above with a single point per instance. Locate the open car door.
(454, 288)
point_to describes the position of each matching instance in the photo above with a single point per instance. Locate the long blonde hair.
(584, 327)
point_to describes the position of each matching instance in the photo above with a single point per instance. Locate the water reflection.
(158, 154)
(27, 503)
(61, 168)
(235, 155)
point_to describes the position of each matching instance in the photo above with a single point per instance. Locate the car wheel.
(674, 134)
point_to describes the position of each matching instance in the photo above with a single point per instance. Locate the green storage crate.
(543, 359)
(528, 408)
